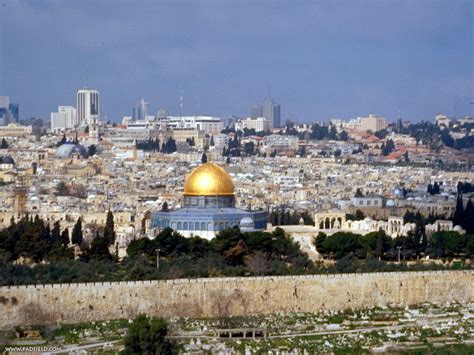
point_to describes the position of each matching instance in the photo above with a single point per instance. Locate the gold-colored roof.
(208, 180)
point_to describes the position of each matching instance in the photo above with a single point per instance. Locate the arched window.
(327, 223)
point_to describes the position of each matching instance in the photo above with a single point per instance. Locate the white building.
(15, 130)
(259, 124)
(88, 107)
(287, 180)
(65, 118)
(372, 123)
(367, 201)
(280, 142)
(221, 139)
(442, 120)
(208, 124)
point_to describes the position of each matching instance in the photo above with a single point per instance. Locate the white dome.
(246, 222)
(390, 203)
(458, 229)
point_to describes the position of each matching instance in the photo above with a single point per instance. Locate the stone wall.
(220, 297)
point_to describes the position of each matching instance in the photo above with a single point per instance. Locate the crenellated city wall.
(220, 297)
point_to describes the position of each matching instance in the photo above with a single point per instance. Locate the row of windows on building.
(369, 202)
(195, 226)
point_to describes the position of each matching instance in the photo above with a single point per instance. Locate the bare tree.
(258, 263)
(224, 302)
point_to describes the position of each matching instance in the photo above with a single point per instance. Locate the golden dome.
(208, 180)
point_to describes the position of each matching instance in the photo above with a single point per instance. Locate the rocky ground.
(427, 328)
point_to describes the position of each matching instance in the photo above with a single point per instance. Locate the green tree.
(359, 215)
(142, 246)
(458, 215)
(341, 244)
(164, 207)
(448, 244)
(109, 232)
(249, 148)
(76, 236)
(343, 136)
(4, 144)
(470, 245)
(59, 249)
(65, 237)
(56, 232)
(375, 244)
(92, 150)
(99, 249)
(468, 218)
(147, 335)
(319, 243)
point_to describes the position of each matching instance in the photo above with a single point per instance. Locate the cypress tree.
(109, 232)
(458, 212)
(468, 220)
(65, 237)
(56, 232)
(430, 189)
(100, 249)
(77, 237)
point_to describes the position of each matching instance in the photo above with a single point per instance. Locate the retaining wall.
(219, 297)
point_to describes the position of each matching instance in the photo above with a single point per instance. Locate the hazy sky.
(322, 59)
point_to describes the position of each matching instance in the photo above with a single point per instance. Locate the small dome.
(458, 229)
(390, 203)
(162, 114)
(7, 160)
(68, 149)
(209, 180)
(246, 221)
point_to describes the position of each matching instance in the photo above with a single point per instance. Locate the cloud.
(304, 49)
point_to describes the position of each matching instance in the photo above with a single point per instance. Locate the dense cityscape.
(86, 200)
(172, 228)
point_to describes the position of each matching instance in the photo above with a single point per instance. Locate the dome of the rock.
(209, 180)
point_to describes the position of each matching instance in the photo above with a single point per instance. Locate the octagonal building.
(208, 206)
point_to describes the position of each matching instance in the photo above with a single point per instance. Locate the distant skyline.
(322, 59)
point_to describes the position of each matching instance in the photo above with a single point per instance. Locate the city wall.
(221, 297)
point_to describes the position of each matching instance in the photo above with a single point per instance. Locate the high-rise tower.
(140, 111)
(88, 106)
(271, 111)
